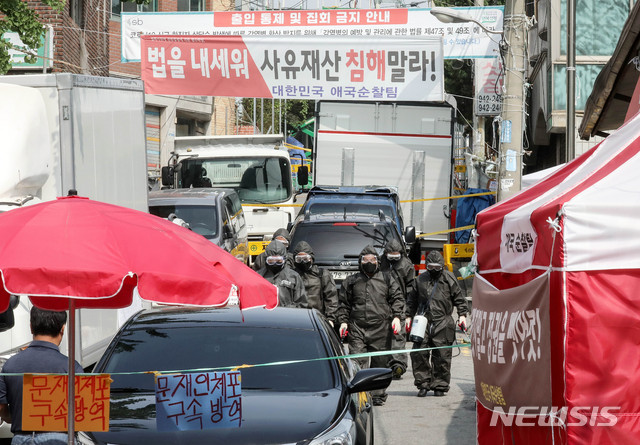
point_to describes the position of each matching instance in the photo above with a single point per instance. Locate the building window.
(191, 5)
(186, 126)
(585, 78)
(592, 18)
(76, 12)
(119, 6)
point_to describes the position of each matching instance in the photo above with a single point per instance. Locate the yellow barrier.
(450, 251)
(257, 247)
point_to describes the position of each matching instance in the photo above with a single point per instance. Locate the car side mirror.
(167, 176)
(370, 379)
(303, 175)
(289, 226)
(410, 235)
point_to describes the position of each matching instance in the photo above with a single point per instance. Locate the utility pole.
(570, 134)
(477, 135)
(513, 101)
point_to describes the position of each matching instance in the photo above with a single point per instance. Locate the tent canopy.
(579, 228)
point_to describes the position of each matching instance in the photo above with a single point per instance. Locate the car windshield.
(259, 180)
(201, 219)
(354, 210)
(199, 346)
(337, 241)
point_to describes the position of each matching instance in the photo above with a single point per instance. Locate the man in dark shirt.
(42, 356)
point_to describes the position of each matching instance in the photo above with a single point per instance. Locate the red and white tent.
(556, 304)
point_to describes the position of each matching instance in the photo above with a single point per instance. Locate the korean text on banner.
(44, 402)
(330, 68)
(511, 345)
(198, 401)
(460, 40)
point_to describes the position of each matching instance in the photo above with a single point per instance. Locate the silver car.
(215, 213)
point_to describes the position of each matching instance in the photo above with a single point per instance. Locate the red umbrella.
(77, 253)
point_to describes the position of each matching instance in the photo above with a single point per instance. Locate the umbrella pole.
(71, 337)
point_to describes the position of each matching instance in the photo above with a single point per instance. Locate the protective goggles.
(434, 266)
(303, 258)
(369, 259)
(283, 241)
(393, 256)
(275, 260)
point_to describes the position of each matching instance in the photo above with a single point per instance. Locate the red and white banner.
(460, 40)
(345, 68)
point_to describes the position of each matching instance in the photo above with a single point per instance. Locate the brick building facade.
(80, 39)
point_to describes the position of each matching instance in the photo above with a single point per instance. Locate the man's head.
(283, 236)
(369, 260)
(435, 264)
(47, 323)
(393, 251)
(276, 256)
(303, 256)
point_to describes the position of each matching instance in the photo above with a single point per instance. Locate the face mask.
(434, 273)
(370, 268)
(275, 268)
(304, 266)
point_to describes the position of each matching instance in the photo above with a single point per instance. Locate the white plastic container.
(418, 328)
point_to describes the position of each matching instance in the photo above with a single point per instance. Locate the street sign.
(460, 40)
(489, 80)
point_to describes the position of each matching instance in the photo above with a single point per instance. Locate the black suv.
(340, 202)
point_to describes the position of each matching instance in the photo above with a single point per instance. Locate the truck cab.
(257, 167)
(215, 214)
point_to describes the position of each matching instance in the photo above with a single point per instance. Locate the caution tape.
(450, 197)
(457, 229)
(295, 147)
(260, 365)
(405, 200)
(271, 205)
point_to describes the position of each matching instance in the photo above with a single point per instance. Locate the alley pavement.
(406, 418)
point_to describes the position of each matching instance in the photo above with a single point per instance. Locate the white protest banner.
(198, 401)
(331, 68)
(460, 40)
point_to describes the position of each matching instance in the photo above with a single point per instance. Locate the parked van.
(214, 213)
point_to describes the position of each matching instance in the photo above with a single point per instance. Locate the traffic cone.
(420, 268)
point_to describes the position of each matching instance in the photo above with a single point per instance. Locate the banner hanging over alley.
(460, 40)
(329, 68)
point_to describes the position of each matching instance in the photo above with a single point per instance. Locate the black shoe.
(423, 392)
(377, 401)
(439, 393)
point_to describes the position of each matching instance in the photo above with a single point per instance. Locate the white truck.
(258, 167)
(403, 145)
(61, 132)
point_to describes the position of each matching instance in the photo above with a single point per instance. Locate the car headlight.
(344, 433)
(84, 439)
